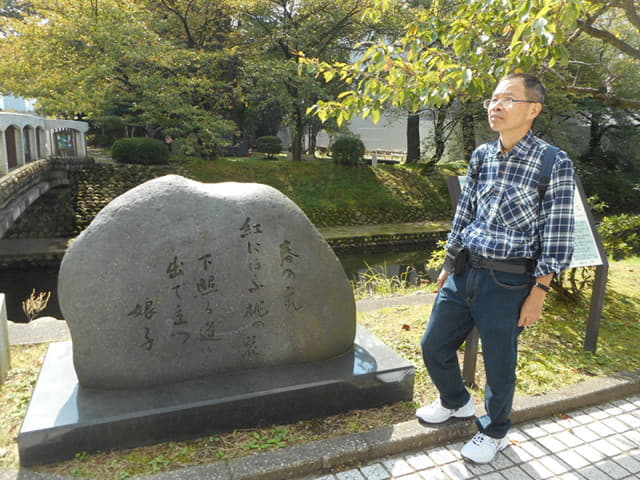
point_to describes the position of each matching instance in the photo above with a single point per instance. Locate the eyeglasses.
(506, 102)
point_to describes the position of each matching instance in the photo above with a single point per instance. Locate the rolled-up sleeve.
(558, 210)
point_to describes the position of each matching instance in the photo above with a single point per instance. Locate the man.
(508, 243)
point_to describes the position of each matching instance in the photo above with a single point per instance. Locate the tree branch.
(609, 38)
(183, 19)
(632, 14)
(604, 97)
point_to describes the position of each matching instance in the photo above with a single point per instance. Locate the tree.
(15, 8)
(458, 50)
(614, 29)
(125, 57)
(278, 30)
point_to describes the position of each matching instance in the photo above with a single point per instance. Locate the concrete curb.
(317, 457)
(321, 456)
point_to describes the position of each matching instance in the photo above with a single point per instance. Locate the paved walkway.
(599, 443)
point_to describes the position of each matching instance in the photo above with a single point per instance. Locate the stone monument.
(197, 308)
(178, 279)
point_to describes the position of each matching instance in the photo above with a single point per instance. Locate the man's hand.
(531, 310)
(441, 279)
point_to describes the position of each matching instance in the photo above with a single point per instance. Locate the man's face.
(518, 117)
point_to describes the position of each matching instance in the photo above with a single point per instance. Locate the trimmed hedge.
(269, 145)
(347, 150)
(143, 151)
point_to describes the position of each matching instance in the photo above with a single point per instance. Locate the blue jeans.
(490, 300)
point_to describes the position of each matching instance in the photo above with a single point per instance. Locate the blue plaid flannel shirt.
(498, 213)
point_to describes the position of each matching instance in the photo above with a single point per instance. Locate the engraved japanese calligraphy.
(177, 279)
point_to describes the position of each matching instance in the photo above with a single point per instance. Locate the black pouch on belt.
(456, 261)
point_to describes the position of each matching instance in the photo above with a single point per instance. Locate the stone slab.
(40, 330)
(64, 418)
(5, 358)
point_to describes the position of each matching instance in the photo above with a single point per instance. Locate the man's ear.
(534, 110)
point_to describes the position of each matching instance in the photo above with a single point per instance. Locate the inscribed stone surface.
(177, 279)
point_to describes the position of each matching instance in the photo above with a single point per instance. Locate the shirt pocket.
(518, 208)
(487, 200)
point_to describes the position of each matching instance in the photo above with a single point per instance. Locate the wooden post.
(470, 358)
(5, 359)
(595, 310)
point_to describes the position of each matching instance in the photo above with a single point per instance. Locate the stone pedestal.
(65, 418)
(5, 359)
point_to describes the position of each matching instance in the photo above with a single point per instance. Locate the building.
(26, 136)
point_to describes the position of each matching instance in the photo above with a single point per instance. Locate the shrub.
(144, 151)
(105, 130)
(269, 145)
(347, 150)
(620, 235)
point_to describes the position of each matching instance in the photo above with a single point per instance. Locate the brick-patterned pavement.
(597, 443)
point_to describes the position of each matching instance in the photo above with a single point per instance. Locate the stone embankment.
(63, 212)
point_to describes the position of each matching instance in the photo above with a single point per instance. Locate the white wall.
(18, 104)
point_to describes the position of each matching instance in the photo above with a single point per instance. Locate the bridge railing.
(24, 185)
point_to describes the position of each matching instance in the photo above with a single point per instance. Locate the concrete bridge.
(35, 155)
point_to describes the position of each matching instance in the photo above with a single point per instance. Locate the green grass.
(551, 357)
(320, 184)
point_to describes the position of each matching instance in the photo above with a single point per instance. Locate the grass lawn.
(321, 184)
(551, 357)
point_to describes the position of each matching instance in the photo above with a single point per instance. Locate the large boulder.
(177, 279)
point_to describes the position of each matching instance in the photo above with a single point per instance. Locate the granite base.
(65, 418)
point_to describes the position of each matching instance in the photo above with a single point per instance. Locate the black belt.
(509, 266)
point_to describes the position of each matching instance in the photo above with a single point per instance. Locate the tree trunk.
(594, 135)
(439, 134)
(413, 138)
(313, 139)
(468, 133)
(297, 136)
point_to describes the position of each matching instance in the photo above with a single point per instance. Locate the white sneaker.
(436, 413)
(483, 448)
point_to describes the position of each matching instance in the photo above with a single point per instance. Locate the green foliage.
(159, 463)
(269, 144)
(106, 130)
(376, 283)
(449, 52)
(617, 188)
(347, 150)
(276, 437)
(620, 235)
(438, 256)
(143, 151)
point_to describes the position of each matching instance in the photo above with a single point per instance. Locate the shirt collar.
(523, 147)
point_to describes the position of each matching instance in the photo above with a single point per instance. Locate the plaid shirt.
(497, 215)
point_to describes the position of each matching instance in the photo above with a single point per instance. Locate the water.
(401, 264)
(17, 284)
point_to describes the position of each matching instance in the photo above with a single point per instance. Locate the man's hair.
(533, 86)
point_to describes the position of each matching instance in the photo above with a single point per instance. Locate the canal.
(405, 263)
